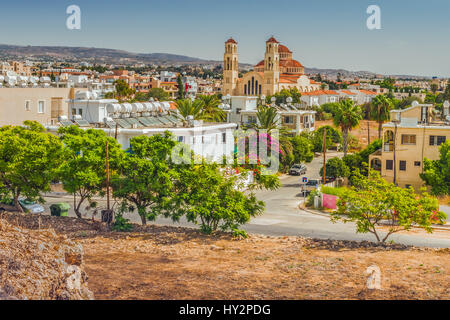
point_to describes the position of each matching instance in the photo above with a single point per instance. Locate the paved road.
(282, 217)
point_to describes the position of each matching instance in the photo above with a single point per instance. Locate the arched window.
(388, 141)
(253, 85)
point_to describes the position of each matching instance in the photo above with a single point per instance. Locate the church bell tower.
(230, 67)
(271, 67)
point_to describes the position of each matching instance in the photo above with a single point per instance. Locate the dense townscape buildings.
(57, 94)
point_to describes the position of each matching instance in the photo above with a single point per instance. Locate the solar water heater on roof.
(82, 123)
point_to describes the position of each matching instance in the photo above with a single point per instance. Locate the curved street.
(282, 216)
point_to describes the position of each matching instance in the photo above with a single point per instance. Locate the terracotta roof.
(231, 40)
(319, 93)
(282, 48)
(348, 92)
(290, 63)
(272, 39)
(261, 63)
(367, 92)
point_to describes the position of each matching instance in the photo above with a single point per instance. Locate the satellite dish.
(415, 103)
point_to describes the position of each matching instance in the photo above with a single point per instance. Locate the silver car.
(27, 206)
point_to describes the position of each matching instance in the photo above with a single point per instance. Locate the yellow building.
(276, 72)
(413, 134)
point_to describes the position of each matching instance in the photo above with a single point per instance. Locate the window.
(41, 106)
(402, 165)
(224, 137)
(389, 164)
(288, 119)
(180, 139)
(80, 112)
(408, 139)
(417, 163)
(27, 105)
(437, 140)
(74, 111)
(251, 119)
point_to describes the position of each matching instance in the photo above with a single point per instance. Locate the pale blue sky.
(327, 34)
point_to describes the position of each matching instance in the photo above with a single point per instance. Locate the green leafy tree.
(434, 87)
(180, 87)
(158, 94)
(83, 173)
(372, 202)
(145, 179)
(348, 115)
(29, 158)
(380, 111)
(123, 90)
(302, 149)
(336, 168)
(436, 173)
(212, 199)
(333, 138)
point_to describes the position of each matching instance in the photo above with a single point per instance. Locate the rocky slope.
(39, 264)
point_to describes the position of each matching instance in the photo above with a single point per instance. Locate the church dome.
(282, 48)
(291, 64)
(272, 39)
(231, 40)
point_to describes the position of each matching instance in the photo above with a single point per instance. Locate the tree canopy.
(29, 160)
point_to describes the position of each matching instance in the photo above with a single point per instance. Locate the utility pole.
(324, 154)
(395, 148)
(115, 133)
(107, 176)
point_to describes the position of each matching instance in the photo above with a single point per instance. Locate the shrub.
(121, 224)
(310, 198)
(333, 191)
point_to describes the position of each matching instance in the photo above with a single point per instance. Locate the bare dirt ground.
(156, 262)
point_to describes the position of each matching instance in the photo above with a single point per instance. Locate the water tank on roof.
(11, 79)
(22, 79)
(113, 107)
(137, 107)
(165, 105)
(33, 79)
(45, 80)
(126, 108)
(147, 107)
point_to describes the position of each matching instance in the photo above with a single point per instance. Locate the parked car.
(309, 186)
(27, 206)
(297, 170)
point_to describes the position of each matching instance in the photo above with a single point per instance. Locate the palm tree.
(267, 119)
(187, 107)
(380, 111)
(347, 116)
(211, 110)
